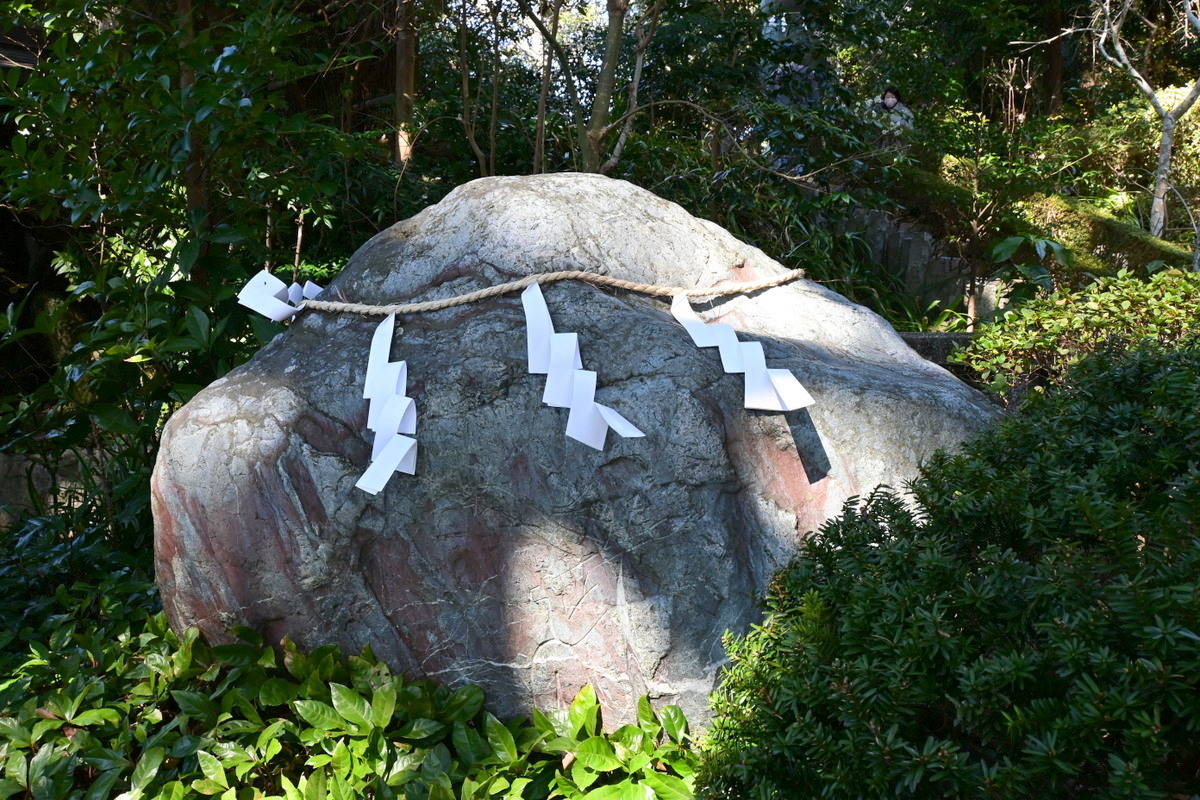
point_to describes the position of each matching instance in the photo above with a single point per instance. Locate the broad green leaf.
(101, 787)
(667, 787)
(175, 790)
(340, 759)
(582, 776)
(471, 789)
(277, 692)
(269, 734)
(638, 763)
(630, 738)
(13, 732)
(625, 790)
(675, 723)
(437, 762)
(42, 768)
(147, 768)
(597, 754)
(207, 786)
(196, 322)
(316, 788)
(182, 659)
(681, 761)
(114, 419)
(210, 765)
(42, 727)
(469, 744)
(236, 655)
(185, 746)
(517, 789)
(352, 706)
(1062, 255)
(16, 769)
(105, 760)
(97, 716)
(1004, 250)
(421, 729)
(546, 724)
(295, 662)
(584, 713)
(195, 704)
(464, 704)
(290, 792)
(647, 719)
(320, 715)
(339, 790)
(500, 738)
(383, 705)
(9, 788)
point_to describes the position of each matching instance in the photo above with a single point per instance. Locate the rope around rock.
(547, 277)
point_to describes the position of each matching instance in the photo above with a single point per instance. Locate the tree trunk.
(406, 79)
(539, 145)
(605, 83)
(644, 34)
(1162, 176)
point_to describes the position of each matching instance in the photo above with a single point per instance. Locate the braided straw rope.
(547, 277)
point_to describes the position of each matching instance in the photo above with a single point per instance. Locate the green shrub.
(1034, 344)
(1030, 628)
(100, 699)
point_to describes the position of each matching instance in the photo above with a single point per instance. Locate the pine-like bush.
(1031, 629)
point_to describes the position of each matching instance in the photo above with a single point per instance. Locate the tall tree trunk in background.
(539, 139)
(406, 79)
(605, 83)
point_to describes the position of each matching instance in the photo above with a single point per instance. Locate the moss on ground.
(1102, 244)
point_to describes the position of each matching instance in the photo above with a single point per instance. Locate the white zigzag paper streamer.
(273, 298)
(568, 384)
(766, 389)
(390, 413)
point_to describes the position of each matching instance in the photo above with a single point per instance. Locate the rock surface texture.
(517, 558)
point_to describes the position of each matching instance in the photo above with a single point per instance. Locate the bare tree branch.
(643, 42)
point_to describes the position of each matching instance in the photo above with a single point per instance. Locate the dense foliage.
(1033, 346)
(101, 699)
(1028, 627)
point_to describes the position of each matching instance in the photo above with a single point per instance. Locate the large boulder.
(517, 558)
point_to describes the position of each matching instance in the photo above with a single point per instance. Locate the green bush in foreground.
(108, 702)
(1036, 343)
(1032, 629)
